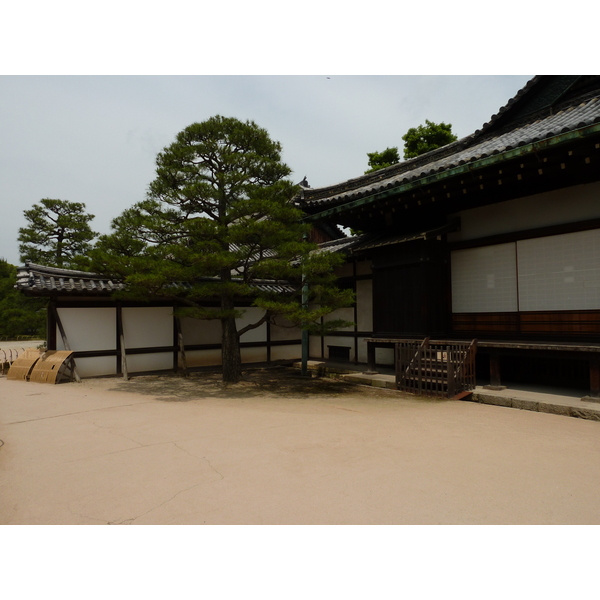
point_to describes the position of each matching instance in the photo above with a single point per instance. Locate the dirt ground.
(281, 449)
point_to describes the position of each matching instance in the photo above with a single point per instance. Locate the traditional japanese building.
(495, 236)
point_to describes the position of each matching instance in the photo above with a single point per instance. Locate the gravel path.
(279, 449)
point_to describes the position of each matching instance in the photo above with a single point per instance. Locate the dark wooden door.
(409, 300)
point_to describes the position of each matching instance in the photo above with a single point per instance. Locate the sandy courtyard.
(278, 449)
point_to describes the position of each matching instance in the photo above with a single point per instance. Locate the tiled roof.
(477, 146)
(42, 279)
(51, 280)
(368, 241)
(344, 244)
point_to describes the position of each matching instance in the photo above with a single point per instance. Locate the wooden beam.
(122, 343)
(65, 340)
(183, 361)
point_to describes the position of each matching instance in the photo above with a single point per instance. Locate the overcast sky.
(94, 139)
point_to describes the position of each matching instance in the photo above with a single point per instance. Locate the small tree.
(20, 315)
(218, 219)
(424, 138)
(58, 234)
(380, 160)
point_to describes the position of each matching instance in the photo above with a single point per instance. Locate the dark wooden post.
(397, 363)
(121, 354)
(61, 329)
(495, 380)
(450, 373)
(182, 361)
(594, 395)
(51, 326)
(371, 358)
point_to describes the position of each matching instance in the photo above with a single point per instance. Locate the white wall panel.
(203, 358)
(485, 279)
(293, 352)
(254, 355)
(88, 328)
(384, 356)
(285, 331)
(346, 314)
(314, 346)
(252, 315)
(201, 331)
(96, 366)
(145, 327)
(560, 272)
(569, 205)
(362, 350)
(149, 362)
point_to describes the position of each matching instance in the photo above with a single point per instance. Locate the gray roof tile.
(469, 149)
(47, 280)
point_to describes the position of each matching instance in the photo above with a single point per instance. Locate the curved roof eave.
(359, 199)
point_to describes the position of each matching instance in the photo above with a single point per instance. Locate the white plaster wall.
(362, 350)
(149, 362)
(364, 305)
(88, 328)
(314, 346)
(347, 314)
(96, 366)
(252, 315)
(203, 358)
(254, 355)
(569, 205)
(384, 356)
(283, 332)
(145, 327)
(293, 352)
(201, 331)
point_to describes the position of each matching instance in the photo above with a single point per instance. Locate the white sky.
(88, 97)
(94, 139)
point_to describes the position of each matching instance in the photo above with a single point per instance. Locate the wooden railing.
(435, 368)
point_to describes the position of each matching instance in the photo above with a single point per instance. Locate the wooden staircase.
(435, 368)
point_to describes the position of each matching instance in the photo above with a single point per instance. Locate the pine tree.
(58, 234)
(219, 217)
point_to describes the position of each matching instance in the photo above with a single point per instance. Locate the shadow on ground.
(267, 382)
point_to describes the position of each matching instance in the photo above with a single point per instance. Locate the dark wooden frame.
(119, 352)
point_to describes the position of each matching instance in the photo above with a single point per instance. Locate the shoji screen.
(484, 279)
(560, 272)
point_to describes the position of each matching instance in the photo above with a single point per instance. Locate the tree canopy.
(21, 316)
(424, 138)
(219, 218)
(380, 160)
(58, 234)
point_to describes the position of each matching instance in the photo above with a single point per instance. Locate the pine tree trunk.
(230, 349)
